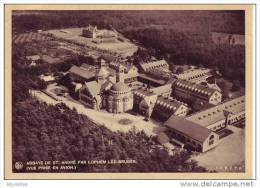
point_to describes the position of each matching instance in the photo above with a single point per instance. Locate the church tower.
(120, 73)
(102, 72)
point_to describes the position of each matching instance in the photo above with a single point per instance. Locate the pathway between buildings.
(109, 120)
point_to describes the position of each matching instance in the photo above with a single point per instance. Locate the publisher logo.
(18, 165)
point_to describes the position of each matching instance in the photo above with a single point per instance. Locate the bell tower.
(102, 72)
(120, 73)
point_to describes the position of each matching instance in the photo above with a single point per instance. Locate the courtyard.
(123, 122)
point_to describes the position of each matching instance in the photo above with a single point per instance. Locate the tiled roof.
(88, 67)
(171, 104)
(216, 113)
(93, 87)
(84, 73)
(50, 59)
(103, 72)
(193, 73)
(142, 92)
(153, 64)
(188, 128)
(143, 76)
(33, 57)
(196, 88)
(162, 89)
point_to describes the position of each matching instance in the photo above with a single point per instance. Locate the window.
(211, 140)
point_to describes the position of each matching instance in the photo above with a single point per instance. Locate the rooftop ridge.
(222, 103)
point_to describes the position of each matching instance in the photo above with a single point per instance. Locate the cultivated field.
(28, 37)
(124, 48)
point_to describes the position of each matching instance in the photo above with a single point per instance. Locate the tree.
(235, 85)
(179, 70)
(225, 87)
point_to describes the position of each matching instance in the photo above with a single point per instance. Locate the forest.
(188, 48)
(123, 20)
(44, 132)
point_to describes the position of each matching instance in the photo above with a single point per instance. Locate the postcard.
(128, 91)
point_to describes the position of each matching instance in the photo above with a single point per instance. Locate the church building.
(107, 93)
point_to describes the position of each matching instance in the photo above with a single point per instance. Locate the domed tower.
(120, 98)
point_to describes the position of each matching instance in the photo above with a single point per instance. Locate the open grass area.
(75, 35)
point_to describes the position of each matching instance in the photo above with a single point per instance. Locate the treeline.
(225, 21)
(43, 132)
(191, 48)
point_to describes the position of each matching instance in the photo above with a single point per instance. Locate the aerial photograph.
(134, 91)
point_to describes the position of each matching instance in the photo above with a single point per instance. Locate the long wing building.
(199, 131)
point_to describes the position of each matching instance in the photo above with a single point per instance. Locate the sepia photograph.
(142, 91)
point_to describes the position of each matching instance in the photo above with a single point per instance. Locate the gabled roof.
(103, 72)
(216, 113)
(143, 92)
(214, 86)
(171, 104)
(93, 87)
(50, 59)
(149, 100)
(163, 138)
(158, 81)
(162, 89)
(153, 63)
(196, 88)
(193, 72)
(33, 57)
(88, 67)
(82, 72)
(188, 128)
